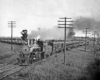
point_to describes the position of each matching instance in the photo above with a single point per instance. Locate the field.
(7, 47)
(80, 65)
(6, 53)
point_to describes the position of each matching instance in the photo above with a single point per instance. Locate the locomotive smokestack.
(38, 37)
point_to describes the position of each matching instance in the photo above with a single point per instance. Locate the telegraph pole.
(65, 27)
(97, 38)
(86, 32)
(95, 41)
(11, 26)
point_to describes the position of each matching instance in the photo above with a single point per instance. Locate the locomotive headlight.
(25, 49)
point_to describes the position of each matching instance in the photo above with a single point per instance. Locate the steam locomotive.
(32, 50)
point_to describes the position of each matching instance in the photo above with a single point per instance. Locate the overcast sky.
(31, 14)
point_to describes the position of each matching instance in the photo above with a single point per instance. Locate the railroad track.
(8, 70)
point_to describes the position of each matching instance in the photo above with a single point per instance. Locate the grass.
(93, 70)
(7, 47)
(6, 55)
(76, 67)
(80, 65)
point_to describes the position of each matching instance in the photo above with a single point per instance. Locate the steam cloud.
(51, 33)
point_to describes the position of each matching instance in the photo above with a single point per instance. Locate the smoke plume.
(82, 23)
(56, 33)
(51, 33)
(71, 33)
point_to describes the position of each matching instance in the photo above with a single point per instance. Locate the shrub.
(93, 70)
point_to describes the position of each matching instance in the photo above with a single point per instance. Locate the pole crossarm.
(66, 27)
(11, 22)
(65, 24)
(65, 18)
(66, 21)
